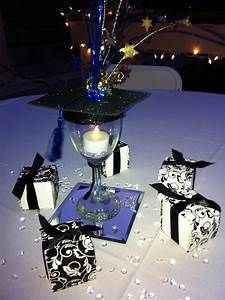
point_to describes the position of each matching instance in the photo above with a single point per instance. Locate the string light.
(62, 14)
(173, 56)
(196, 50)
(209, 60)
(216, 57)
(67, 24)
(162, 56)
(155, 55)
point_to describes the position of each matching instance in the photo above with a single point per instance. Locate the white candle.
(96, 141)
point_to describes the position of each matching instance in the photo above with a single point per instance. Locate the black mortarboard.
(78, 108)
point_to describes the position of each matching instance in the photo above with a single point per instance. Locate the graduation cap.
(78, 108)
(75, 106)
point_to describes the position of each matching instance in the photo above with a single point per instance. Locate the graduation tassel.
(54, 150)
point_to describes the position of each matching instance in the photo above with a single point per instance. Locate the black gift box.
(68, 253)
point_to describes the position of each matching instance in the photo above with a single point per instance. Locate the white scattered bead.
(165, 280)
(36, 240)
(99, 296)
(172, 261)
(137, 281)
(34, 268)
(143, 291)
(182, 286)
(130, 296)
(136, 186)
(21, 253)
(140, 242)
(137, 231)
(151, 295)
(98, 268)
(195, 255)
(136, 259)
(112, 269)
(22, 228)
(205, 261)
(187, 298)
(22, 219)
(80, 174)
(42, 276)
(90, 290)
(123, 271)
(139, 215)
(12, 172)
(2, 261)
(15, 276)
(114, 228)
(173, 282)
(104, 244)
(143, 297)
(145, 205)
(159, 260)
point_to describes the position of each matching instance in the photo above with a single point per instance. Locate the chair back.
(151, 77)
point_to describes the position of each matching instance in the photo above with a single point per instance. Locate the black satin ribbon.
(58, 236)
(180, 206)
(179, 160)
(116, 161)
(27, 180)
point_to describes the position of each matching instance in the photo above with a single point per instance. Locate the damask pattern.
(178, 178)
(68, 261)
(199, 224)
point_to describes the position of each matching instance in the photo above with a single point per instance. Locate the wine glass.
(96, 143)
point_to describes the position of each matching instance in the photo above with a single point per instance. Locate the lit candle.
(96, 141)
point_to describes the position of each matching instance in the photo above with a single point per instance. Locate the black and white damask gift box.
(190, 222)
(68, 253)
(118, 161)
(37, 186)
(178, 174)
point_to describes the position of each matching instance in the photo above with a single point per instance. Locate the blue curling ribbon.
(94, 92)
(54, 150)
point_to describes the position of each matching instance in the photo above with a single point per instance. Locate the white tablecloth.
(149, 265)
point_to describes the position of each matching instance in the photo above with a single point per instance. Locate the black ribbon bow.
(58, 235)
(27, 180)
(180, 206)
(180, 160)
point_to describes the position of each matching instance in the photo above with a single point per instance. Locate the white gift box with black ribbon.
(178, 174)
(118, 161)
(190, 222)
(37, 186)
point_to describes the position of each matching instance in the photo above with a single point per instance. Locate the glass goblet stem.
(96, 183)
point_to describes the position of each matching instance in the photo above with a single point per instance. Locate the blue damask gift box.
(190, 222)
(37, 186)
(178, 174)
(118, 161)
(68, 253)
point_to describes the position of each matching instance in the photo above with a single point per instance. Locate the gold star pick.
(129, 51)
(146, 23)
